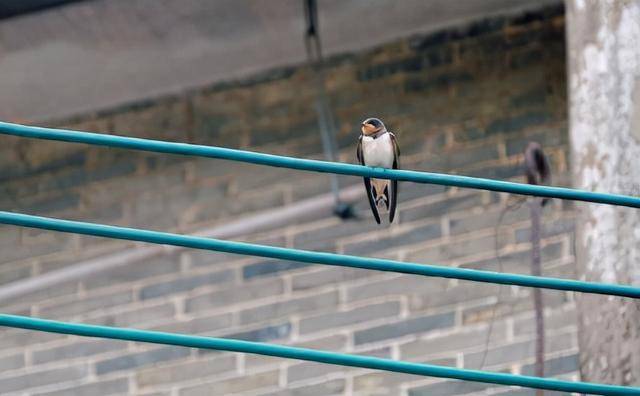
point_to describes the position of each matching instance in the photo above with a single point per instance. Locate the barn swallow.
(378, 147)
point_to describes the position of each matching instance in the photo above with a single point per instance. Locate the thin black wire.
(513, 206)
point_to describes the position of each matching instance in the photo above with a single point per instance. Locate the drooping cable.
(160, 146)
(314, 355)
(305, 256)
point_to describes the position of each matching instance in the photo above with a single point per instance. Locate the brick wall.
(465, 100)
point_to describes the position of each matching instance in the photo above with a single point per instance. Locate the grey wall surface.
(463, 100)
(95, 54)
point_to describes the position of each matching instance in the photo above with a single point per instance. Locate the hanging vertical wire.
(538, 172)
(513, 206)
(326, 121)
(536, 270)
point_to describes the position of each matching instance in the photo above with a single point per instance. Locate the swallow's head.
(371, 126)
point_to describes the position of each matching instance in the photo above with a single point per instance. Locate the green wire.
(314, 165)
(313, 355)
(313, 257)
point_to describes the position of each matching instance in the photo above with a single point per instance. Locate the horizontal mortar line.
(312, 355)
(196, 242)
(313, 165)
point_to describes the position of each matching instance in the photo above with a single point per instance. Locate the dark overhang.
(12, 8)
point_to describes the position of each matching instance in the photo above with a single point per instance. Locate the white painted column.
(604, 95)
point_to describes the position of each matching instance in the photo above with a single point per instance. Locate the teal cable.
(250, 249)
(314, 165)
(369, 362)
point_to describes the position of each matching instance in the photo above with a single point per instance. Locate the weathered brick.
(332, 387)
(158, 211)
(63, 289)
(518, 351)
(308, 187)
(307, 370)
(109, 387)
(469, 133)
(47, 264)
(140, 316)
(207, 258)
(508, 305)
(436, 296)
(350, 317)
(440, 82)
(35, 379)
(439, 208)
(381, 383)
(449, 388)
(334, 343)
(15, 273)
(384, 352)
(187, 284)
(83, 305)
(468, 223)
(531, 392)
(327, 276)
(518, 122)
(49, 244)
(398, 285)
(270, 268)
(113, 214)
(549, 229)
(77, 350)
(518, 261)
(277, 310)
(550, 137)
(456, 158)
(201, 324)
(535, 97)
(268, 333)
(198, 369)
(556, 366)
(556, 320)
(261, 201)
(525, 58)
(235, 295)
(499, 171)
(11, 338)
(418, 191)
(122, 167)
(452, 342)
(12, 362)
(9, 235)
(438, 254)
(159, 265)
(234, 385)
(140, 359)
(65, 179)
(50, 205)
(420, 234)
(410, 326)
(319, 237)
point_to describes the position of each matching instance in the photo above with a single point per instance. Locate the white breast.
(378, 152)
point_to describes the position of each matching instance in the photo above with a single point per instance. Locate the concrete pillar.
(604, 94)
